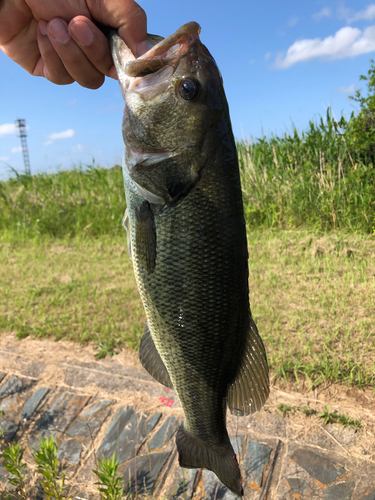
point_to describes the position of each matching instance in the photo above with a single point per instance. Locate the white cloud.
(59, 135)
(346, 90)
(346, 42)
(367, 14)
(325, 12)
(289, 24)
(16, 149)
(78, 148)
(267, 56)
(4, 158)
(292, 21)
(8, 128)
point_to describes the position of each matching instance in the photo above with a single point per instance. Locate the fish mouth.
(165, 53)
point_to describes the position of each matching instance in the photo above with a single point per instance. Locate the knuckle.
(139, 14)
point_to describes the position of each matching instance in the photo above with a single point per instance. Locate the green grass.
(312, 297)
(13, 462)
(52, 474)
(286, 409)
(305, 180)
(83, 202)
(340, 418)
(327, 416)
(82, 290)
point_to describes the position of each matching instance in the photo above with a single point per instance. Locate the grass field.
(312, 297)
(296, 181)
(310, 210)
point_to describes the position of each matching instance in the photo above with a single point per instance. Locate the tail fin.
(221, 459)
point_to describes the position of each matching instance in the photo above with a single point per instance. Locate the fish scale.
(188, 244)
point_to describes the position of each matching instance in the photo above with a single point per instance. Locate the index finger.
(127, 17)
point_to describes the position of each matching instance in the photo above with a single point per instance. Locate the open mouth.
(162, 55)
(165, 52)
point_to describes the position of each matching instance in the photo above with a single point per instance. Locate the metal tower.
(21, 125)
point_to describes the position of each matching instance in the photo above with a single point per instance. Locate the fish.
(187, 240)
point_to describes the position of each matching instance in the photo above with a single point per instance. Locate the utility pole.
(21, 125)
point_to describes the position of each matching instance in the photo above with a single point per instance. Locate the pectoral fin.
(151, 360)
(126, 225)
(250, 389)
(145, 236)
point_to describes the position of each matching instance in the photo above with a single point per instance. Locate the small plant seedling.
(13, 456)
(108, 347)
(286, 409)
(53, 479)
(308, 411)
(335, 417)
(109, 482)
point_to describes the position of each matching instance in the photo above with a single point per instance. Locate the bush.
(360, 130)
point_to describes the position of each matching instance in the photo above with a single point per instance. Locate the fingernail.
(142, 48)
(82, 32)
(43, 26)
(58, 29)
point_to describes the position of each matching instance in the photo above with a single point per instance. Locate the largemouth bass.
(187, 240)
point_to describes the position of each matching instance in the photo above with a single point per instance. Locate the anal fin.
(151, 360)
(248, 392)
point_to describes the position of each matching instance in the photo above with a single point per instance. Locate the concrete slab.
(62, 410)
(141, 473)
(322, 469)
(184, 486)
(12, 385)
(33, 402)
(256, 459)
(125, 435)
(164, 434)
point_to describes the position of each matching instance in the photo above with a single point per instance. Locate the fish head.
(173, 94)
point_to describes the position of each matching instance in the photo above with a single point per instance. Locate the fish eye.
(188, 89)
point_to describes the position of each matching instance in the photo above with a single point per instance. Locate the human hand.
(58, 39)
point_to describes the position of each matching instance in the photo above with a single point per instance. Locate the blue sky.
(282, 62)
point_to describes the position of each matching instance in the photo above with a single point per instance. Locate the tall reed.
(86, 201)
(307, 179)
